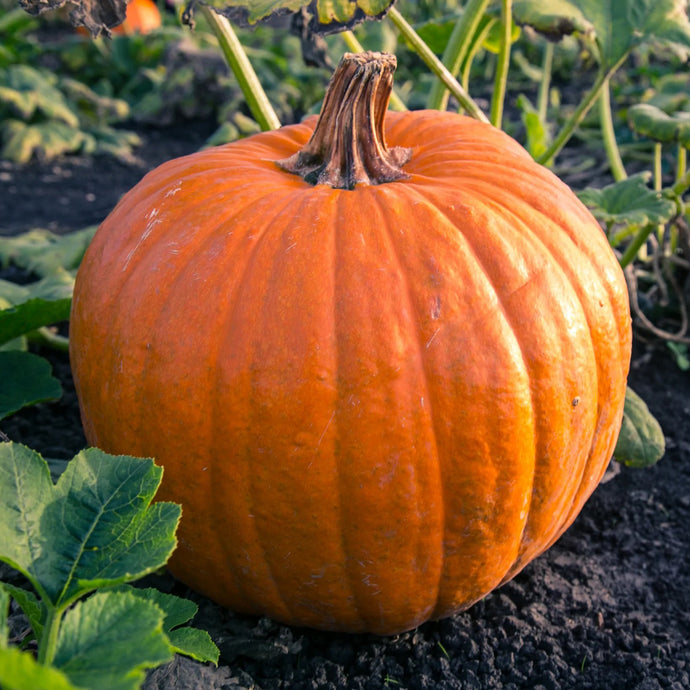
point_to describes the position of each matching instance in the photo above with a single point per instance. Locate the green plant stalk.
(682, 184)
(45, 336)
(503, 64)
(237, 59)
(355, 46)
(474, 49)
(545, 83)
(435, 65)
(658, 181)
(580, 112)
(47, 645)
(681, 162)
(457, 49)
(634, 247)
(609, 134)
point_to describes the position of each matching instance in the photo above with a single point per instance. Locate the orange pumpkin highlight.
(143, 16)
(365, 399)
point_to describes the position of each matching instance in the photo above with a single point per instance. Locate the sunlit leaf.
(641, 442)
(95, 527)
(629, 202)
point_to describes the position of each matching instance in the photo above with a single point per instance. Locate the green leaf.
(194, 643)
(30, 315)
(622, 25)
(4, 614)
(29, 603)
(654, 123)
(26, 379)
(27, 91)
(554, 19)
(191, 642)
(641, 442)
(95, 527)
(46, 140)
(538, 137)
(20, 671)
(35, 305)
(43, 252)
(629, 202)
(26, 489)
(327, 11)
(109, 640)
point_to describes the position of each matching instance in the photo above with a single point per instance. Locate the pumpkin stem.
(348, 147)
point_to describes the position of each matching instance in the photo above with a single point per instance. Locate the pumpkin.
(381, 378)
(143, 16)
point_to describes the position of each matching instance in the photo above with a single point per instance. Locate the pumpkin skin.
(375, 405)
(143, 16)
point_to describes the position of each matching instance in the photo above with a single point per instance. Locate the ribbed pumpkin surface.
(374, 405)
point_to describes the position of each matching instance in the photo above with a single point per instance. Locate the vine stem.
(237, 59)
(436, 66)
(396, 103)
(457, 49)
(502, 65)
(48, 643)
(609, 133)
(681, 163)
(631, 250)
(545, 83)
(46, 336)
(580, 112)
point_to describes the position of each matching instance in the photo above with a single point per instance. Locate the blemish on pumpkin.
(436, 308)
(576, 401)
(431, 340)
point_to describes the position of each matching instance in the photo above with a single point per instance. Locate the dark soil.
(607, 607)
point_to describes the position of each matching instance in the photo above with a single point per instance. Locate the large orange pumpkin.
(378, 392)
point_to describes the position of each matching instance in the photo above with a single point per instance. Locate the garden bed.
(607, 606)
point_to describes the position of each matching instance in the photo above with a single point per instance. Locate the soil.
(607, 607)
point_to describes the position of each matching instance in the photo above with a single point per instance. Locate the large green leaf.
(95, 527)
(109, 640)
(641, 441)
(628, 202)
(26, 379)
(622, 25)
